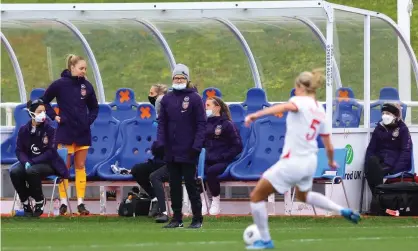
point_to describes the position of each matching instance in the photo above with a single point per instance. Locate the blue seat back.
(270, 134)
(387, 95)
(292, 92)
(340, 156)
(8, 147)
(256, 100)
(211, 92)
(238, 117)
(347, 110)
(37, 93)
(104, 132)
(138, 135)
(124, 106)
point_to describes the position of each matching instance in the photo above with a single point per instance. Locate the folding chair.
(322, 177)
(56, 181)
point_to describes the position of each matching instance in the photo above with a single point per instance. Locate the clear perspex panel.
(41, 48)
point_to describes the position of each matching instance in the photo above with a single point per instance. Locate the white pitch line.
(100, 246)
(353, 239)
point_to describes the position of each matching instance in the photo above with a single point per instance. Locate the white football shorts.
(293, 171)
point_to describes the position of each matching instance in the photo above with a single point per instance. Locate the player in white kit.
(297, 165)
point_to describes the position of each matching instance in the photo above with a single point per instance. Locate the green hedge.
(129, 56)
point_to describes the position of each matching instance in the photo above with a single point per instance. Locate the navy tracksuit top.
(78, 108)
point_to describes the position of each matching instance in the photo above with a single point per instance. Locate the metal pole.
(329, 65)
(16, 67)
(247, 50)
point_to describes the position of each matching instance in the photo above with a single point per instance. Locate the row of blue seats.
(111, 145)
(347, 111)
(108, 133)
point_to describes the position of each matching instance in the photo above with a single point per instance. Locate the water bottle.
(56, 207)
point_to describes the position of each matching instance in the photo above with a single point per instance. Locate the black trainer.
(63, 209)
(161, 218)
(39, 208)
(196, 223)
(154, 209)
(174, 224)
(82, 209)
(27, 210)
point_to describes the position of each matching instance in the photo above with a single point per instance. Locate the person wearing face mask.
(78, 108)
(152, 174)
(389, 150)
(156, 93)
(180, 134)
(38, 158)
(222, 144)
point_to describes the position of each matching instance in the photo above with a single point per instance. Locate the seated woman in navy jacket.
(390, 147)
(222, 144)
(38, 159)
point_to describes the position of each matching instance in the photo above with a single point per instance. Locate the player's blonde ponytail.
(318, 78)
(311, 81)
(72, 60)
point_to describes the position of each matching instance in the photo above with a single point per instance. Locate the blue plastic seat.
(124, 106)
(269, 140)
(406, 174)
(256, 100)
(211, 92)
(347, 110)
(104, 132)
(387, 94)
(238, 117)
(8, 147)
(37, 93)
(21, 117)
(246, 133)
(138, 135)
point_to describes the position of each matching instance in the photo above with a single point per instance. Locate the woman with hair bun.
(78, 108)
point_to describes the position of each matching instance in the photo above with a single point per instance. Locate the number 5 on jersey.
(313, 129)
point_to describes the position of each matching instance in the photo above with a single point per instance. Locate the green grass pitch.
(217, 234)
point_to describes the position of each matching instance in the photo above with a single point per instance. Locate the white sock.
(79, 201)
(154, 200)
(165, 212)
(26, 202)
(260, 218)
(319, 200)
(64, 201)
(217, 198)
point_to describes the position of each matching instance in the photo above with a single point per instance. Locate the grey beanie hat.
(181, 69)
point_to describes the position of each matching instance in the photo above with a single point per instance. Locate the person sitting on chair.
(389, 150)
(222, 144)
(152, 174)
(38, 158)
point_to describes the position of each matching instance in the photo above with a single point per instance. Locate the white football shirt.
(303, 127)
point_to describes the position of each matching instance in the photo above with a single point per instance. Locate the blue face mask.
(179, 86)
(209, 113)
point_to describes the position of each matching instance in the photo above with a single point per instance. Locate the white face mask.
(387, 119)
(209, 113)
(39, 118)
(179, 86)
